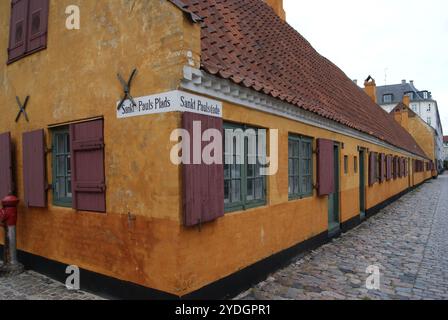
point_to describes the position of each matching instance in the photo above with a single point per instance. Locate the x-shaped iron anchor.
(127, 89)
(22, 109)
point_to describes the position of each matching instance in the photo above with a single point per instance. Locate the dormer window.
(425, 95)
(387, 98)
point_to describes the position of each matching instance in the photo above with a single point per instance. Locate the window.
(28, 28)
(387, 98)
(78, 161)
(300, 167)
(429, 108)
(355, 164)
(425, 95)
(429, 120)
(244, 186)
(62, 183)
(414, 108)
(345, 164)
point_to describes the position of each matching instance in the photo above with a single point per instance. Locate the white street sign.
(173, 101)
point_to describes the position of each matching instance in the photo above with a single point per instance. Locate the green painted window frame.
(300, 167)
(64, 133)
(241, 177)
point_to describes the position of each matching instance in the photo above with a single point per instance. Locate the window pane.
(296, 185)
(259, 189)
(226, 191)
(227, 171)
(296, 167)
(236, 171)
(60, 164)
(69, 187)
(61, 188)
(250, 190)
(251, 170)
(236, 190)
(67, 143)
(296, 149)
(290, 185)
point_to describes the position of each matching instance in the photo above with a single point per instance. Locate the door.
(334, 223)
(362, 184)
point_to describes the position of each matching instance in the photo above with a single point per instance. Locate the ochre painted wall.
(422, 133)
(76, 78)
(141, 238)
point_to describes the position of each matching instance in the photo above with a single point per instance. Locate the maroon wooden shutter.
(372, 168)
(34, 170)
(325, 167)
(6, 180)
(203, 185)
(389, 167)
(87, 162)
(395, 169)
(382, 167)
(400, 167)
(18, 29)
(37, 24)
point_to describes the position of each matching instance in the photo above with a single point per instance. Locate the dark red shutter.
(87, 162)
(382, 167)
(18, 29)
(372, 168)
(400, 167)
(325, 167)
(389, 167)
(34, 170)
(37, 24)
(395, 168)
(6, 180)
(203, 185)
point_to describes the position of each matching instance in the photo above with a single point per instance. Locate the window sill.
(297, 198)
(243, 209)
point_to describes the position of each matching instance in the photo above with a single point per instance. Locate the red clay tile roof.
(246, 42)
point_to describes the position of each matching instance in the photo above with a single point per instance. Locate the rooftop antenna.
(385, 76)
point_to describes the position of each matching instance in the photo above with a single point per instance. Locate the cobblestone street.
(33, 286)
(408, 241)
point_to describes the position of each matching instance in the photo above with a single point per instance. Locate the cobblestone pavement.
(408, 241)
(33, 286)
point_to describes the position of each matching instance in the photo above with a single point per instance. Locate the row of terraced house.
(89, 153)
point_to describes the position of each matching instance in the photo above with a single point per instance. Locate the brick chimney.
(277, 5)
(370, 88)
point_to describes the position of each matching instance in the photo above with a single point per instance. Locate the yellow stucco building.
(97, 186)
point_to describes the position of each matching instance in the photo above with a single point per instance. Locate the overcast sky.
(388, 39)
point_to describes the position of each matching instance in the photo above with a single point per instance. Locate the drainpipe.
(8, 217)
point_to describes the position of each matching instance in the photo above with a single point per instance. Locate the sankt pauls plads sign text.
(173, 101)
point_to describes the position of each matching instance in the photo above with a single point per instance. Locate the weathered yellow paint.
(141, 238)
(422, 133)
